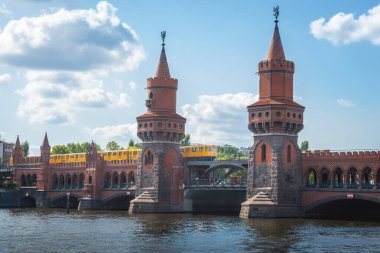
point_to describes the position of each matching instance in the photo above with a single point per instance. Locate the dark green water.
(52, 230)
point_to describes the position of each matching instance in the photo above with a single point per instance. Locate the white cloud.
(220, 119)
(116, 132)
(132, 85)
(345, 102)
(71, 40)
(5, 11)
(68, 56)
(54, 97)
(5, 78)
(344, 28)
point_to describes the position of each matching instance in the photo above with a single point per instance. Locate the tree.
(131, 143)
(229, 152)
(138, 145)
(25, 144)
(305, 145)
(186, 140)
(112, 145)
(59, 149)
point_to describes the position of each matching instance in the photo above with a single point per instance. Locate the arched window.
(131, 179)
(123, 180)
(289, 154)
(107, 180)
(368, 180)
(338, 178)
(352, 178)
(115, 180)
(378, 179)
(311, 178)
(325, 182)
(89, 179)
(263, 153)
(75, 181)
(151, 95)
(34, 180)
(148, 158)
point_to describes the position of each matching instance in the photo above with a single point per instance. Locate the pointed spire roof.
(276, 50)
(163, 67)
(17, 145)
(45, 143)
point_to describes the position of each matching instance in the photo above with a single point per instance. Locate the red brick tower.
(160, 168)
(17, 153)
(43, 179)
(274, 174)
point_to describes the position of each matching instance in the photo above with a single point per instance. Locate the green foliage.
(112, 146)
(25, 144)
(229, 152)
(131, 143)
(59, 149)
(305, 145)
(138, 145)
(73, 148)
(186, 140)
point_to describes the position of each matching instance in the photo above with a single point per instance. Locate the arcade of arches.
(366, 178)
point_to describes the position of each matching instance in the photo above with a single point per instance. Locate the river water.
(52, 230)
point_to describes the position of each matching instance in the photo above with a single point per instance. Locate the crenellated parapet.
(276, 65)
(324, 155)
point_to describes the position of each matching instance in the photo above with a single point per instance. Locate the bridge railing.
(218, 182)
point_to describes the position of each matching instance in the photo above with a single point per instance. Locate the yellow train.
(195, 152)
(199, 152)
(129, 154)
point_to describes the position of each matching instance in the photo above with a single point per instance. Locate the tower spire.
(17, 145)
(163, 67)
(45, 143)
(276, 51)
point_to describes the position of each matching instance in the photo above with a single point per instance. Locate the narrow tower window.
(263, 153)
(289, 154)
(151, 95)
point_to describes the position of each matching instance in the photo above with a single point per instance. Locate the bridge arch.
(27, 201)
(60, 201)
(311, 178)
(345, 206)
(118, 201)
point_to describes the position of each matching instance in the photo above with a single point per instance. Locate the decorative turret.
(18, 152)
(161, 122)
(276, 112)
(45, 150)
(274, 169)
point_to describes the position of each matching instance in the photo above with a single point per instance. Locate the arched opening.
(23, 180)
(61, 181)
(263, 153)
(368, 180)
(81, 181)
(55, 181)
(27, 202)
(107, 180)
(115, 180)
(352, 178)
(378, 179)
(151, 95)
(346, 209)
(325, 182)
(34, 180)
(89, 179)
(68, 181)
(338, 178)
(118, 203)
(131, 180)
(289, 154)
(311, 178)
(123, 180)
(148, 158)
(61, 202)
(75, 181)
(28, 180)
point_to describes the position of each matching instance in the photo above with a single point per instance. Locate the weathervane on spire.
(163, 36)
(276, 12)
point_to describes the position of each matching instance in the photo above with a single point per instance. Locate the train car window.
(193, 149)
(135, 152)
(81, 155)
(200, 149)
(114, 153)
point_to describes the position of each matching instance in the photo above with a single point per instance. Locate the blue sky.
(78, 69)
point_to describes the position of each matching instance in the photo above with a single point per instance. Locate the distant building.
(6, 151)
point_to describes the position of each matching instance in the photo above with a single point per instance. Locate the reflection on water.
(52, 230)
